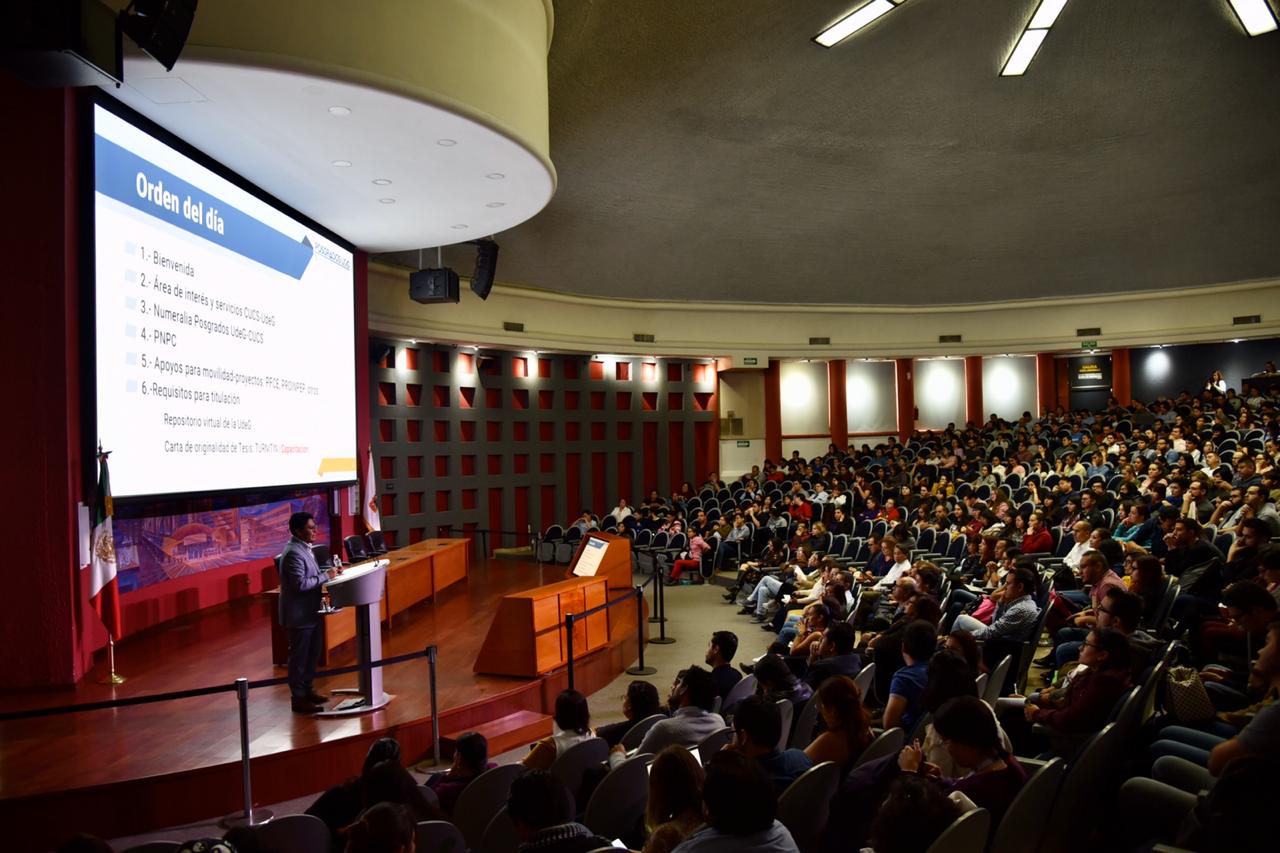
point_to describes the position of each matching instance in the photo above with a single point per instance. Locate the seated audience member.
(885, 650)
(1187, 547)
(1081, 530)
(1147, 580)
(963, 645)
(913, 815)
(846, 722)
(775, 680)
(1014, 619)
(1249, 609)
(720, 652)
(470, 759)
(739, 804)
(639, 702)
(340, 805)
(904, 705)
(1090, 694)
(1037, 539)
(390, 782)
(674, 807)
(573, 724)
(1137, 527)
(833, 656)
(972, 739)
(384, 828)
(1122, 611)
(692, 695)
(541, 809)
(757, 730)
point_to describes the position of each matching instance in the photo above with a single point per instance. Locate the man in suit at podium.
(300, 603)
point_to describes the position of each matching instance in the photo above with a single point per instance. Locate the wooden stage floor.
(133, 769)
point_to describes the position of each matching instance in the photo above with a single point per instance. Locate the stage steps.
(505, 733)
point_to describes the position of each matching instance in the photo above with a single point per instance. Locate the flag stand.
(112, 677)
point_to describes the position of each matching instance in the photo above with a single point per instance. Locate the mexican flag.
(372, 518)
(104, 589)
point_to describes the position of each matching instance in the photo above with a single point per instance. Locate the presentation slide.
(225, 329)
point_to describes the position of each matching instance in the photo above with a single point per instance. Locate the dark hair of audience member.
(1147, 574)
(968, 649)
(948, 676)
(572, 714)
(383, 828)
(839, 695)
(1112, 550)
(1027, 579)
(1115, 644)
(1247, 596)
(1233, 816)
(1125, 607)
(912, 816)
(772, 672)
(928, 609)
(539, 800)
(700, 687)
(675, 786)
(919, 640)
(642, 698)
(739, 798)
(382, 749)
(727, 641)
(473, 751)
(243, 839)
(968, 720)
(842, 637)
(389, 782)
(760, 720)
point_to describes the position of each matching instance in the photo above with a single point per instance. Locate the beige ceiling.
(709, 150)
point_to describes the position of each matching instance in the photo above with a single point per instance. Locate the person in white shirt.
(1081, 530)
(901, 563)
(622, 511)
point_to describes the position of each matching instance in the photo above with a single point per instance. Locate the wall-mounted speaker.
(486, 268)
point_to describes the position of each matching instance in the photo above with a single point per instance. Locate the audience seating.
(787, 711)
(500, 835)
(996, 680)
(888, 742)
(294, 833)
(480, 800)
(617, 804)
(864, 680)
(744, 688)
(802, 731)
(804, 807)
(1023, 824)
(570, 767)
(438, 836)
(713, 743)
(1090, 781)
(155, 847)
(967, 835)
(635, 734)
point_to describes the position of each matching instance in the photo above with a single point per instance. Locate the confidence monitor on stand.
(361, 586)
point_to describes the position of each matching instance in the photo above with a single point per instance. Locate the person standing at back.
(300, 603)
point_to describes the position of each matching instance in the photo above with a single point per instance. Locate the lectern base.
(357, 704)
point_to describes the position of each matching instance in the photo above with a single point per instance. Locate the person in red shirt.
(1037, 540)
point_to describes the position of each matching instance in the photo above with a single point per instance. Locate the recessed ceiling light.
(386, 201)
(381, 182)
(458, 227)
(1023, 52)
(1046, 14)
(340, 111)
(495, 176)
(854, 21)
(496, 204)
(341, 164)
(446, 143)
(1255, 16)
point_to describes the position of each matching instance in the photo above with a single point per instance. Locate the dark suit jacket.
(849, 665)
(300, 580)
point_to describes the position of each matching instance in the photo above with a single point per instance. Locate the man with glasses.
(1256, 506)
(300, 602)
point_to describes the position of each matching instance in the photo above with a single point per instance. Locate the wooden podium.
(527, 637)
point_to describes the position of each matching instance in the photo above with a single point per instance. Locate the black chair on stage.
(355, 549)
(322, 553)
(375, 543)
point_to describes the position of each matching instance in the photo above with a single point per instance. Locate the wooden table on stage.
(527, 637)
(417, 572)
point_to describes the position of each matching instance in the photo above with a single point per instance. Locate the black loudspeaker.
(434, 285)
(159, 27)
(486, 267)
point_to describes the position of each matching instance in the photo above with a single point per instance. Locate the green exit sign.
(1088, 345)
(744, 443)
(750, 361)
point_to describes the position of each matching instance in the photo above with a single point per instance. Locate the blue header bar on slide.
(128, 178)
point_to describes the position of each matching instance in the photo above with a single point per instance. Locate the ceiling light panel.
(1044, 17)
(1255, 16)
(854, 21)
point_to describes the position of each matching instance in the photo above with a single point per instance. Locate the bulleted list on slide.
(224, 330)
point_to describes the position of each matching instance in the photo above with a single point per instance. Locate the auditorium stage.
(128, 770)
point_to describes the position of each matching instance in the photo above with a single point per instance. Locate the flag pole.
(112, 677)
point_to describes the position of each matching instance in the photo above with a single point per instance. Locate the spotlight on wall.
(486, 268)
(159, 27)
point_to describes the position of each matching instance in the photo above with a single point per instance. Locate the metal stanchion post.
(640, 668)
(659, 589)
(250, 816)
(656, 616)
(568, 629)
(435, 759)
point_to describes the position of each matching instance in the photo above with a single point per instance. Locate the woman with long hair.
(848, 726)
(384, 828)
(573, 721)
(674, 809)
